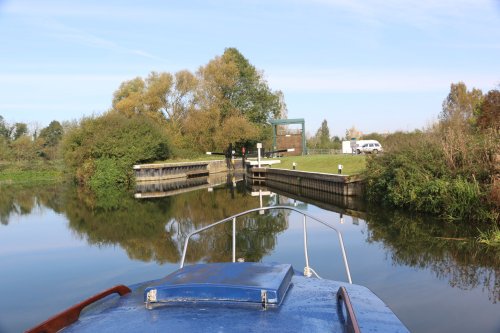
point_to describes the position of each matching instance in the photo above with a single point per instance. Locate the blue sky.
(381, 65)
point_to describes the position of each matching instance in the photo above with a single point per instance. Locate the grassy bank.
(352, 164)
(25, 173)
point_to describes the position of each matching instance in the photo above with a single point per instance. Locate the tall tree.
(4, 129)
(182, 99)
(240, 88)
(461, 105)
(19, 130)
(52, 134)
(489, 115)
(161, 96)
(128, 98)
(323, 135)
(251, 94)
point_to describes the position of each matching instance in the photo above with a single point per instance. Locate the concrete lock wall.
(337, 184)
(166, 171)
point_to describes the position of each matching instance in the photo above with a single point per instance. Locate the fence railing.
(307, 270)
(311, 151)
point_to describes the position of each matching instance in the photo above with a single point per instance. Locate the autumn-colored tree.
(353, 133)
(24, 149)
(461, 105)
(144, 97)
(457, 129)
(489, 115)
(217, 79)
(199, 109)
(235, 98)
(182, 98)
(163, 97)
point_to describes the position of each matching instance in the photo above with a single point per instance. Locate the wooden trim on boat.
(69, 316)
(351, 324)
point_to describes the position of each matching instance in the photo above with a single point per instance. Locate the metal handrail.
(71, 315)
(350, 323)
(305, 215)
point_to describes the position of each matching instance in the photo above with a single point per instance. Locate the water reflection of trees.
(155, 230)
(447, 249)
(15, 200)
(256, 235)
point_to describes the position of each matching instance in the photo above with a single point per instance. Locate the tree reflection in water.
(155, 230)
(449, 250)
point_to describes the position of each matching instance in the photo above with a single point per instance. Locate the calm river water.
(59, 245)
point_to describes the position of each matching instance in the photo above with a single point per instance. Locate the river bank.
(23, 173)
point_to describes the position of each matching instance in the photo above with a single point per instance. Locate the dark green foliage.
(324, 135)
(19, 130)
(52, 134)
(102, 150)
(251, 95)
(322, 140)
(450, 169)
(414, 175)
(4, 129)
(109, 172)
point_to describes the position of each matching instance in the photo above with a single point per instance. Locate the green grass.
(490, 237)
(30, 176)
(26, 173)
(352, 164)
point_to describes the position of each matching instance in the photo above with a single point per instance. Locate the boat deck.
(309, 306)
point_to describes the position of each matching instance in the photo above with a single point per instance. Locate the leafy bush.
(414, 175)
(101, 150)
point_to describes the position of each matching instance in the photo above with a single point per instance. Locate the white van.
(368, 146)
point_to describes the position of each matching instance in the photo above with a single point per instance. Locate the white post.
(307, 271)
(259, 147)
(234, 239)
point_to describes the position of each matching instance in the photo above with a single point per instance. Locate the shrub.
(414, 175)
(102, 150)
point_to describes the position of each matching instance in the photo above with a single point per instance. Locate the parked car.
(368, 146)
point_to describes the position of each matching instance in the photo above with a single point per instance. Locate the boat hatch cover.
(247, 282)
